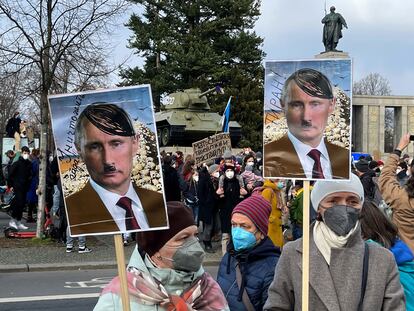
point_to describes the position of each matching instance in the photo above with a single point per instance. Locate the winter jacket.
(257, 267)
(270, 193)
(368, 184)
(397, 198)
(20, 175)
(231, 198)
(337, 286)
(171, 183)
(31, 194)
(404, 258)
(296, 209)
(207, 197)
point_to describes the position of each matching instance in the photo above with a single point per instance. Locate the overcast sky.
(379, 37)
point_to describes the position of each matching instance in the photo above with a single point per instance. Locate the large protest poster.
(307, 119)
(210, 148)
(108, 160)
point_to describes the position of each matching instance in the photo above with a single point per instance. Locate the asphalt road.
(56, 290)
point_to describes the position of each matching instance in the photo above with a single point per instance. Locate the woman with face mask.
(208, 207)
(247, 269)
(340, 263)
(189, 189)
(165, 271)
(231, 188)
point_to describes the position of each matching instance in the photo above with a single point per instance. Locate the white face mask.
(50, 158)
(25, 156)
(250, 163)
(195, 178)
(216, 174)
(229, 174)
(398, 170)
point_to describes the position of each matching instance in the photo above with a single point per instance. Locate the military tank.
(185, 117)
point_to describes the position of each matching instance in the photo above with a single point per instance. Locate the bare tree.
(48, 36)
(372, 84)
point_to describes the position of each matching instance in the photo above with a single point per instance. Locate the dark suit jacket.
(88, 215)
(281, 160)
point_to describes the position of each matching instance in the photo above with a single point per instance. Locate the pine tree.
(201, 43)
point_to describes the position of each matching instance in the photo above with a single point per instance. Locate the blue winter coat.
(257, 268)
(404, 258)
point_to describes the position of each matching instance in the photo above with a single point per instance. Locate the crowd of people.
(353, 225)
(358, 227)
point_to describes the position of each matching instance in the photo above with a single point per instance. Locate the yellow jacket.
(272, 194)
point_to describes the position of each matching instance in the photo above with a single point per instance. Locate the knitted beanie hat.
(227, 154)
(362, 166)
(212, 168)
(257, 209)
(179, 218)
(322, 188)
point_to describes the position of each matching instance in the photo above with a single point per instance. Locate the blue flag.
(226, 117)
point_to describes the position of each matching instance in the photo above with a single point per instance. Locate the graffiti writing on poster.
(69, 154)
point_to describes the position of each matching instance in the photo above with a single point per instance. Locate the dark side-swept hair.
(376, 226)
(107, 117)
(311, 81)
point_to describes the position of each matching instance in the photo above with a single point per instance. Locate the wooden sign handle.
(120, 259)
(305, 240)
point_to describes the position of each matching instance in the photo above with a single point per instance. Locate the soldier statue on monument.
(332, 30)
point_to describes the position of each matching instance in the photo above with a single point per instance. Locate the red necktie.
(317, 171)
(131, 222)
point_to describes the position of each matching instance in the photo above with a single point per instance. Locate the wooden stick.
(305, 254)
(120, 259)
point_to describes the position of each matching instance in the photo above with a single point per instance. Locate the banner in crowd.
(307, 119)
(108, 160)
(8, 144)
(210, 148)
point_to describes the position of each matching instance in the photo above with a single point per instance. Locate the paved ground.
(35, 255)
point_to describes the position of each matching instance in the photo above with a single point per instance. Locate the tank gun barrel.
(207, 92)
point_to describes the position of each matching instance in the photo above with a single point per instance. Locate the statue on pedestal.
(332, 30)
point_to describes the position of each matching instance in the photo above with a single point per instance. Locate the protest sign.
(210, 148)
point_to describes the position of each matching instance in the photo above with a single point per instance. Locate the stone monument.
(332, 32)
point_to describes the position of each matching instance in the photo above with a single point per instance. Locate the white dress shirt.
(307, 162)
(118, 213)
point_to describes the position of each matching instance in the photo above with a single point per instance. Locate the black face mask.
(341, 218)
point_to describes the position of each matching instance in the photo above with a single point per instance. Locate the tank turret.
(185, 117)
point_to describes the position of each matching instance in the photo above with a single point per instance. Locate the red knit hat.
(257, 209)
(179, 218)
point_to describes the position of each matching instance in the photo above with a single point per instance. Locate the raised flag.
(226, 117)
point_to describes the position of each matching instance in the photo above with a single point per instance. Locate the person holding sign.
(343, 270)
(109, 202)
(307, 100)
(165, 271)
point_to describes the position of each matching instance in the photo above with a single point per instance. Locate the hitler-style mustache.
(306, 123)
(108, 168)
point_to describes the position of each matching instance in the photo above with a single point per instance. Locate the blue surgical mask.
(242, 239)
(280, 185)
